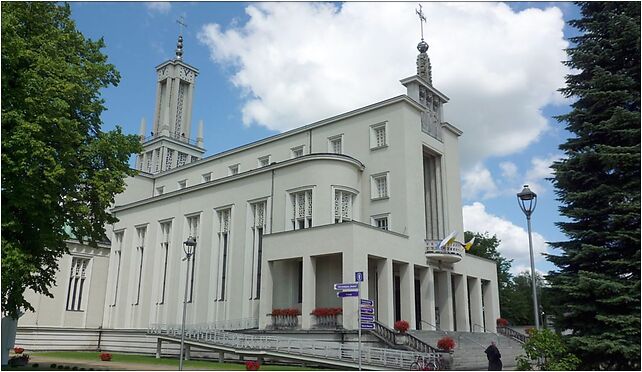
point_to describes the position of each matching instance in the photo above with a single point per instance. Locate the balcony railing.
(452, 252)
(178, 138)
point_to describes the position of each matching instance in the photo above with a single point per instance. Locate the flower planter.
(19, 361)
(401, 339)
(105, 357)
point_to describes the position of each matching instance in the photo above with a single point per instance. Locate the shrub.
(106, 357)
(35, 365)
(252, 365)
(547, 352)
(53, 365)
(401, 326)
(61, 367)
(327, 311)
(74, 368)
(18, 360)
(501, 322)
(446, 343)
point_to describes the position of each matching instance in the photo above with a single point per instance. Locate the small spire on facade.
(179, 44)
(423, 62)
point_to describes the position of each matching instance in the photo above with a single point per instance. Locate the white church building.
(279, 221)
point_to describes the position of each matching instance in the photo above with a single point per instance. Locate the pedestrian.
(494, 357)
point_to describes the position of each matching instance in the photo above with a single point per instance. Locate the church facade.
(279, 221)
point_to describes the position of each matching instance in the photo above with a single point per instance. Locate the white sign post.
(358, 276)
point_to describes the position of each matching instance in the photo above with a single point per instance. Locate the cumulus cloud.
(540, 169)
(162, 7)
(514, 239)
(299, 62)
(509, 169)
(478, 183)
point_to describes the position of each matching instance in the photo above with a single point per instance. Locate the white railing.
(432, 246)
(327, 351)
(229, 324)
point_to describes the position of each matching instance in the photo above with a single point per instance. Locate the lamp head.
(189, 245)
(527, 200)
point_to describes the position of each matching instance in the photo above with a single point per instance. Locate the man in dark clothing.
(494, 357)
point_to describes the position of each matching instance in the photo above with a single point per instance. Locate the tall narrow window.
(380, 186)
(258, 227)
(192, 228)
(169, 159)
(378, 137)
(343, 201)
(301, 209)
(77, 277)
(224, 237)
(140, 248)
(118, 244)
(165, 234)
(335, 144)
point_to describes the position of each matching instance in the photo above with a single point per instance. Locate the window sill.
(379, 147)
(75, 311)
(381, 198)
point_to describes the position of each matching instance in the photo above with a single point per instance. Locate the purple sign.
(348, 294)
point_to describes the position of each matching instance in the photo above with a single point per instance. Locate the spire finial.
(179, 44)
(422, 19)
(423, 62)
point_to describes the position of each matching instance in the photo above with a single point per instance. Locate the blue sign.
(367, 325)
(348, 294)
(367, 310)
(358, 276)
(368, 318)
(366, 302)
(342, 286)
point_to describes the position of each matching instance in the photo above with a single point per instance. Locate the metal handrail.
(509, 332)
(432, 325)
(413, 342)
(295, 347)
(178, 138)
(483, 328)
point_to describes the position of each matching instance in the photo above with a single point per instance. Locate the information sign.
(358, 276)
(342, 286)
(367, 325)
(366, 302)
(348, 294)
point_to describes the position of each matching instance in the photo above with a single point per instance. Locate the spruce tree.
(598, 186)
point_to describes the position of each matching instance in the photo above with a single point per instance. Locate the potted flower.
(252, 365)
(18, 349)
(327, 317)
(446, 343)
(402, 327)
(105, 357)
(20, 360)
(501, 322)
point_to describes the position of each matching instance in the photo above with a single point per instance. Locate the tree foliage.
(58, 168)
(547, 352)
(598, 186)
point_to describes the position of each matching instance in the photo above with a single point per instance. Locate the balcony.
(450, 253)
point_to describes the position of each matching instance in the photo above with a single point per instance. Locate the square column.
(351, 264)
(444, 301)
(461, 303)
(386, 313)
(428, 299)
(407, 276)
(476, 311)
(267, 285)
(309, 291)
(491, 306)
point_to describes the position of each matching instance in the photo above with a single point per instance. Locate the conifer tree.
(598, 186)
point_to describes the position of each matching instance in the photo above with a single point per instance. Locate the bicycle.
(424, 364)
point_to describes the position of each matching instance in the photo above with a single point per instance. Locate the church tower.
(169, 144)
(421, 90)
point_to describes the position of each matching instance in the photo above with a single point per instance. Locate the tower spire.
(179, 44)
(423, 62)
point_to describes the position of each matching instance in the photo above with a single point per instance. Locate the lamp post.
(527, 201)
(189, 246)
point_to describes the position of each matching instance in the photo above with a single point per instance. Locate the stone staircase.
(469, 352)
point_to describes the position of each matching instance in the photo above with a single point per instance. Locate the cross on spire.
(181, 23)
(422, 19)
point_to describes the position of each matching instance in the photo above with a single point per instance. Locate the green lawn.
(79, 356)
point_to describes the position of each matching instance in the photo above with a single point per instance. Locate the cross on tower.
(181, 23)
(422, 19)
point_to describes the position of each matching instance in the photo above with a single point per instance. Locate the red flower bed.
(105, 357)
(402, 326)
(327, 311)
(18, 350)
(252, 365)
(446, 343)
(501, 322)
(286, 312)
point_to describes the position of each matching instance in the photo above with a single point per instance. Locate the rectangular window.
(149, 161)
(76, 287)
(165, 228)
(380, 186)
(381, 222)
(140, 248)
(258, 226)
(207, 177)
(378, 137)
(182, 184)
(118, 245)
(335, 144)
(182, 159)
(169, 159)
(297, 151)
(234, 169)
(264, 161)
(192, 231)
(224, 218)
(160, 190)
(301, 209)
(343, 201)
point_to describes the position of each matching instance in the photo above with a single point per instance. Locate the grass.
(79, 356)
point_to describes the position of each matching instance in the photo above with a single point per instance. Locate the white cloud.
(478, 183)
(299, 62)
(162, 7)
(540, 169)
(509, 169)
(514, 239)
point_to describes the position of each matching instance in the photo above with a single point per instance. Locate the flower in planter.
(401, 326)
(106, 357)
(327, 311)
(501, 322)
(446, 343)
(18, 349)
(18, 360)
(252, 365)
(286, 312)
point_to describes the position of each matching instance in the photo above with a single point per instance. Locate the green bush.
(53, 365)
(545, 350)
(35, 365)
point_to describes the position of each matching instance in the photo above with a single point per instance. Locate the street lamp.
(189, 246)
(527, 201)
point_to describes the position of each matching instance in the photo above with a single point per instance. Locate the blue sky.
(499, 64)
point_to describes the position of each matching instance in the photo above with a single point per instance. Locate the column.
(266, 295)
(491, 306)
(386, 296)
(407, 276)
(444, 301)
(476, 315)
(309, 291)
(461, 303)
(427, 299)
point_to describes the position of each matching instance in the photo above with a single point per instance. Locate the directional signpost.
(348, 294)
(366, 310)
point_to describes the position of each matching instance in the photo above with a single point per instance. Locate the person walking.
(494, 357)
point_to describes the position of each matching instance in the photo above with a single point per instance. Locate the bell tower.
(169, 144)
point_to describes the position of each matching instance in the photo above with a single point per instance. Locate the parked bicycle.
(426, 364)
